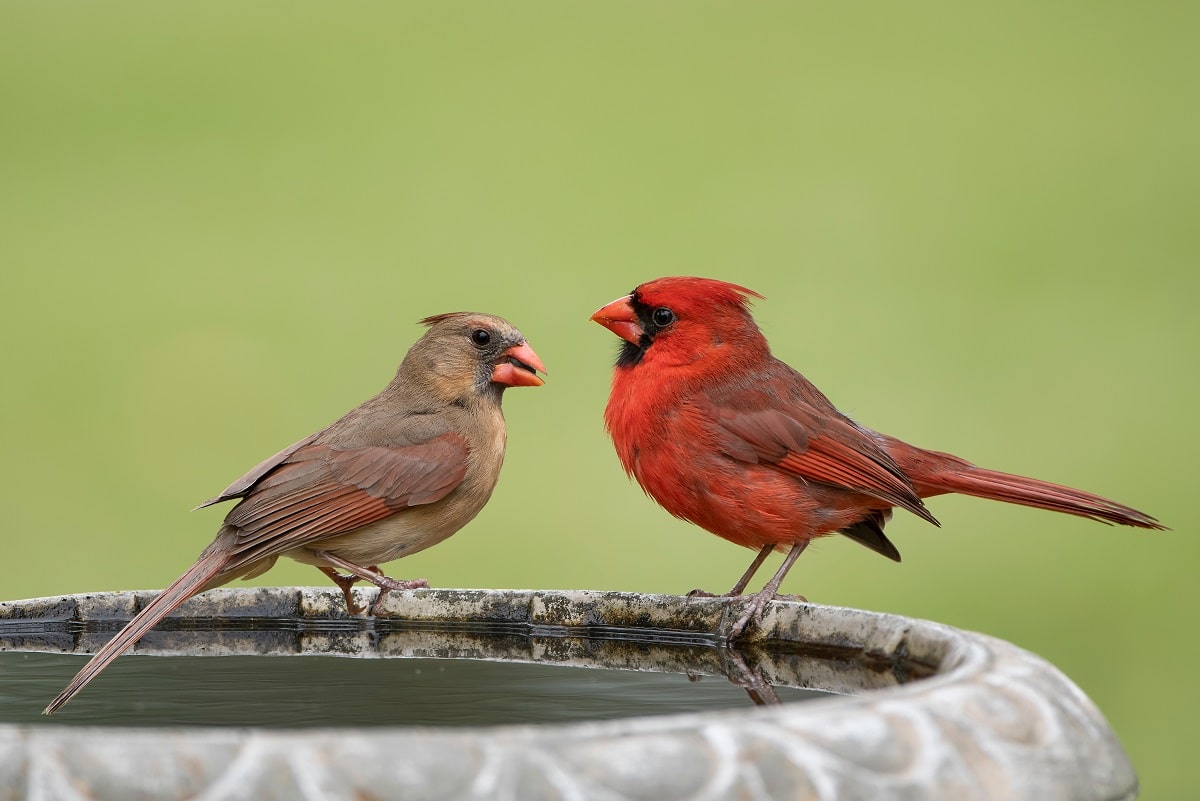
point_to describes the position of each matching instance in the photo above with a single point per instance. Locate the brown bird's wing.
(316, 491)
(242, 486)
(799, 439)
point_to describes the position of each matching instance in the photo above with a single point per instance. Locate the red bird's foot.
(755, 608)
(753, 612)
(699, 593)
(758, 602)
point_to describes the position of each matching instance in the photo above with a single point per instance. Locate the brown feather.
(327, 492)
(209, 566)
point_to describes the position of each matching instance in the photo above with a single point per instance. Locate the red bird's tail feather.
(190, 583)
(971, 480)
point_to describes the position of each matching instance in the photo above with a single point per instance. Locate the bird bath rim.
(993, 721)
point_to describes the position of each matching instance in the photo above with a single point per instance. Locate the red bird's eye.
(662, 316)
(480, 337)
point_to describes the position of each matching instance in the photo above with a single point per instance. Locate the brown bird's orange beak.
(519, 368)
(620, 318)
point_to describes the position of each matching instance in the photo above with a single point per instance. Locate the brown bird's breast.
(416, 528)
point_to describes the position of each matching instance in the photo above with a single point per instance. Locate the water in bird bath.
(325, 691)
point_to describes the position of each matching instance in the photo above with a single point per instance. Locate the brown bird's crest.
(434, 319)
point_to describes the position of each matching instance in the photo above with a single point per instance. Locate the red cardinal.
(399, 473)
(723, 434)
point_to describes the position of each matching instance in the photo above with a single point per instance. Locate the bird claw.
(699, 593)
(752, 613)
(387, 585)
(370, 573)
(345, 583)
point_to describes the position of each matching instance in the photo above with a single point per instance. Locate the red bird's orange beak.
(620, 318)
(519, 368)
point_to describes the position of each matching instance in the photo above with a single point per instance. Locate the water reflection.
(231, 673)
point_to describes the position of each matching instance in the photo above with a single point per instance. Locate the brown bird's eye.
(480, 337)
(662, 316)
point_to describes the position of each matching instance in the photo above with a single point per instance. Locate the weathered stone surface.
(990, 722)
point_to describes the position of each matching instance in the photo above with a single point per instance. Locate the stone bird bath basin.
(914, 709)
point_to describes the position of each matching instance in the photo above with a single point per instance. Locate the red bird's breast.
(665, 439)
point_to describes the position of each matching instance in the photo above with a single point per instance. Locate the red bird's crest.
(685, 292)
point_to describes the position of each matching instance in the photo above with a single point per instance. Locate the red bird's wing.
(317, 491)
(817, 446)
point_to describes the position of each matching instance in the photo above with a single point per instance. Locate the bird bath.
(536, 695)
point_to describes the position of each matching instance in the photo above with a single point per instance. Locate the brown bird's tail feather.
(971, 480)
(196, 578)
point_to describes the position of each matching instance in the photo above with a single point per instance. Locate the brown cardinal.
(723, 434)
(400, 473)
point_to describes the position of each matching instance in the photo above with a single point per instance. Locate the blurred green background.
(976, 229)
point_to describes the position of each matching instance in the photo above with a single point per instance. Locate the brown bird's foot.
(345, 583)
(371, 573)
(386, 585)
